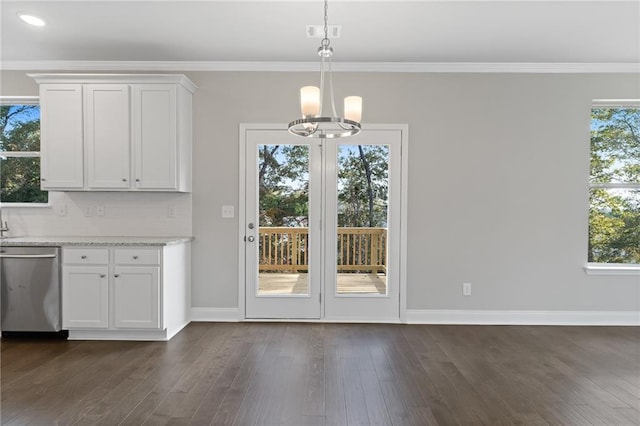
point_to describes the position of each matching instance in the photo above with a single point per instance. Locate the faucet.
(4, 226)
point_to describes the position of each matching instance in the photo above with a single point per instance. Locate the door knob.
(250, 238)
(250, 226)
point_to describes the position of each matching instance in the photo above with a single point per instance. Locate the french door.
(322, 226)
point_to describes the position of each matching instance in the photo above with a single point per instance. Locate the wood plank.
(333, 374)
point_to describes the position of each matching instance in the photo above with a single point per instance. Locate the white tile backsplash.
(125, 214)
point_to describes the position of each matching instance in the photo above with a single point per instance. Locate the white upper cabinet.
(155, 138)
(107, 135)
(61, 140)
(118, 132)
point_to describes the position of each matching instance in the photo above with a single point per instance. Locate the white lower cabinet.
(85, 297)
(125, 293)
(136, 297)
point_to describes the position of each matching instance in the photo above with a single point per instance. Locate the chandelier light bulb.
(310, 101)
(353, 108)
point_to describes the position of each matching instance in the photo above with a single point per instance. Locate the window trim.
(595, 268)
(612, 268)
(22, 100)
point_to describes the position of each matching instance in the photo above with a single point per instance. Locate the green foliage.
(362, 196)
(283, 179)
(283, 175)
(20, 176)
(614, 214)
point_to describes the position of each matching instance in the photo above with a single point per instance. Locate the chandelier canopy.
(313, 124)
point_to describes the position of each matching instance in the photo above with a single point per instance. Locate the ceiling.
(417, 31)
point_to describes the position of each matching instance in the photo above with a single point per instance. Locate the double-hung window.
(614, 183)
(20, 152)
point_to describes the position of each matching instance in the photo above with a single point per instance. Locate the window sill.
(612, 269)
(32, 205)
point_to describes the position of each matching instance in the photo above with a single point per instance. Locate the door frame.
(243, 128)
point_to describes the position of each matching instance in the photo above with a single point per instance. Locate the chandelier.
(313, 124)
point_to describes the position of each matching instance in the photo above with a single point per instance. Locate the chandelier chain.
(325, 40)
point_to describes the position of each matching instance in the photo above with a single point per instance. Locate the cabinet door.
(154, 115)
(85, 297)
(136, 297)
(61, 139)
(107, 135)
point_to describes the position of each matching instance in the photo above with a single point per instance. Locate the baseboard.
(435, 316)
(215, 314)
(362, 320)
(136, 335)
(463, 317)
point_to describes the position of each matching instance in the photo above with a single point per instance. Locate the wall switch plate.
(100, 210)
(466, 289)
(88, 211)
(172, 211)
(228, 212)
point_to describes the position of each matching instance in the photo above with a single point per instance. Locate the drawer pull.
(116, 275)
(102, 275)
(83, 257)
(135, 257)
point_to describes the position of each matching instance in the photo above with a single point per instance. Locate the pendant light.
(313, 124)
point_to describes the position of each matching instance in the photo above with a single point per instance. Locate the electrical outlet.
(100, 210)
(172, 211)
(466, 289)
(228, 212)
(61, 209)
(88, 211)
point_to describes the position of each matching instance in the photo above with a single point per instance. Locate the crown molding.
(393, 67)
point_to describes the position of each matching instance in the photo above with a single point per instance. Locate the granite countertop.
(65, 240)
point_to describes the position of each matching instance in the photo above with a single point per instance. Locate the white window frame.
(593, 268)
(21, 100)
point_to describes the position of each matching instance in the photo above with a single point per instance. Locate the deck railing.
(284, 249)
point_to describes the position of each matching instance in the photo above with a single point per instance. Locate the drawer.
(137, 257)
(82, 256)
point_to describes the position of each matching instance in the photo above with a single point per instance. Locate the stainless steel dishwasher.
(30, 290)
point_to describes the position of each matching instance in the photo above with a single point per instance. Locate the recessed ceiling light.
(31, 19)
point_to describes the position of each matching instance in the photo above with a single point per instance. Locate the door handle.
(250, 238)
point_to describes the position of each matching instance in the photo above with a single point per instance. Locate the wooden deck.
(297, 283)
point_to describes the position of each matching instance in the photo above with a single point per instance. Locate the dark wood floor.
(330, 374)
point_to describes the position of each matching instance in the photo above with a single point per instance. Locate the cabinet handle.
(137, 180)
(116, 275)
(102, 275)
(42, 179)
(135, 257)
(124, 180)
(83, 257)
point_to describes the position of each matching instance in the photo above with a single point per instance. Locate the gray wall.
(497, 192)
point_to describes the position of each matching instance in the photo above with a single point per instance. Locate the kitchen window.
(20, 152)
(614, 186)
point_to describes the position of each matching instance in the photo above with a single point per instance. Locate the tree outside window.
(20, 151)
(614, 213)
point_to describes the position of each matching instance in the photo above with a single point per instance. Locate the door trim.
(243, 128)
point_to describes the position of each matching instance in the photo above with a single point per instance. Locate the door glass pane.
(363, 187)
(283, 237)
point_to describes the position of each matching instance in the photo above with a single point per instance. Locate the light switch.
(88, 211)
(228, 212)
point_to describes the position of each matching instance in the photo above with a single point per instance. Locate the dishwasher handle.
(27, 256)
